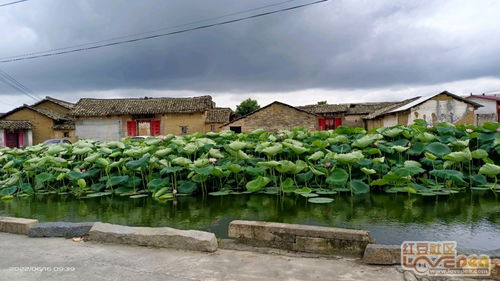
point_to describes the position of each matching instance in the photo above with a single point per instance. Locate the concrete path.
(68, 260)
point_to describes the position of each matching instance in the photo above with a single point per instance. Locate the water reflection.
(472, 219)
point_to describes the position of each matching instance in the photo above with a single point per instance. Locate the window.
(329, 123)
(65, 134)
(236, 129)
(184, 130)
(212, 128)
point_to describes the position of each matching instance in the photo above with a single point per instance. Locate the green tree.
(246, 106)
(322, 102)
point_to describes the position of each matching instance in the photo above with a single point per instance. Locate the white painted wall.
(98, 129)
(2, 142)
(489, 106)
(445, 111)
(28, 138)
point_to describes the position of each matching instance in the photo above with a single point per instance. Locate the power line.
(16, 85)
(12, 3)
(148, 32)
(5, 60)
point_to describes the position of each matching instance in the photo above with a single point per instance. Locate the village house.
(113, 119)
(441, 107)
(273, 117)
(490, 112)
(331, 116)
(36, 123)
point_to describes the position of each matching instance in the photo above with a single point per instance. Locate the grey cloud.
(335, 45)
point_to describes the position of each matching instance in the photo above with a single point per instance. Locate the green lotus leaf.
(479, 154)
(320, 200)
(187, 187)
(367, 140)
(316, 156)
(368, 171)
(338, 177)
(489, 169)
(181, 161)
(116, 180)
(257, 184)
(237, 145)
(358, 187)
(349, 158)
(156, 184)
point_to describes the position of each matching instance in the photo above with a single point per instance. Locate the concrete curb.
(16, 225)
(60, 229)
(301, 238)
(162, 237)
(382, 254)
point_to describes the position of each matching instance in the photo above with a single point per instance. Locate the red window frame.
(329, 123)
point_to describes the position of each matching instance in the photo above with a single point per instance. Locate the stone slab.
(303, 238)
(60, 229)
(162, 237)
(16, 225)
(382, 254)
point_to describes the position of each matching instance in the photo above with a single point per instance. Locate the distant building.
(34, 124)
(113, 119)
(216, 117)
(442, 107)
(273, 117)
(490, 112)
(330, 116)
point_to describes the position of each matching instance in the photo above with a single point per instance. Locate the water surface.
(471, 219)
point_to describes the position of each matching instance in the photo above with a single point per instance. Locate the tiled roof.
(484, 97)
(15, 125)
(347, 108)
(51, 114)
(137, 106)
(367, 108)
(262, 108)
(62, 103)
(219, 115)
(325, 108)
(389, 108)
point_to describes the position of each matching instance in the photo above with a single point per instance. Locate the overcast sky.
(339, 51)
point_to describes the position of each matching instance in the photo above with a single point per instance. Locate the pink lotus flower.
(498, 130)
(430, 126)
(375, 143)
(174, 191)
(327, 164)
(83, 171)
(469, 130)
(409, 144)
(163, 137)
(212, 160)
(281, 135)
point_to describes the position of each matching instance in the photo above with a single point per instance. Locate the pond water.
(471, 219)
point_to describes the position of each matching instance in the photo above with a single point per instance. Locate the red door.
(155, 127)
(131, 128)
(321, 124)
(11, 139)
(338, 122)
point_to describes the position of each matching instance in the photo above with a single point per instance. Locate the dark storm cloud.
(335, 45)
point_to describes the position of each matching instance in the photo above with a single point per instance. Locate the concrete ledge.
(382, 254)
(164, 237)
(302, 238)
(16, 225)
(60, 229)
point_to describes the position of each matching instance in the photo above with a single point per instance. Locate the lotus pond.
(423, 170)
(472, 219)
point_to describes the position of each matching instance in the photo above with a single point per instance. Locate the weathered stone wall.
(171, 123)
(276, 117)
(353, 121)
